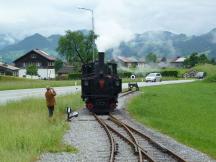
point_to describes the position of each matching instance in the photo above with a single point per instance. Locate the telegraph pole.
(93, 28)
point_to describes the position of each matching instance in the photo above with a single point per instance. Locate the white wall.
(43, 73)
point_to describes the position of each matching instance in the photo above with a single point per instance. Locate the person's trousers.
(50, 110)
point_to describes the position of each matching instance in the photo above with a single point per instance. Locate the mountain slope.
(11, 52)
(165, 43)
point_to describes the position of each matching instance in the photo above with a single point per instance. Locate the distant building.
(162, 62)
(65, 70)
(178, 61)
(6, 69)
(129, 62)
(41, 59)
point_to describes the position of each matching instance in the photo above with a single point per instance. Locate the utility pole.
(93, 40)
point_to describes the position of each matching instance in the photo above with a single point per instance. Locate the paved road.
(11, 95)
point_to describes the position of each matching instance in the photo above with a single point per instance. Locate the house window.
(38, 64)
(33, 56)
(50, 63)
(24, 64)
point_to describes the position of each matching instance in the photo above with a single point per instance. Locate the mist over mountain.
(6, 39)
(162, 43)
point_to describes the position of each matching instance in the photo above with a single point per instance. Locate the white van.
(153, 77)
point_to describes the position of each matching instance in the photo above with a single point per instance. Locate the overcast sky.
(115, 20)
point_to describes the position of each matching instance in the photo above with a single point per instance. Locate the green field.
(186, 112)
(210, 70)
(9, 83)
(26, 132)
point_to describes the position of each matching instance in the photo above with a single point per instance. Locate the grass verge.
(142, 79)
(26, 131)
(10, 83)
(184, 111)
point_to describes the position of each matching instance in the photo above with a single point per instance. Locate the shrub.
(170, 73)
(211, 78)
(125, 74)
(62, 77)
(74, 76)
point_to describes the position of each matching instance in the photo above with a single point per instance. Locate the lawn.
(9, 83)
(26, 132)
(209, 69)
(185, 112)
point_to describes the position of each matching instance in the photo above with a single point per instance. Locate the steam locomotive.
(100, 85)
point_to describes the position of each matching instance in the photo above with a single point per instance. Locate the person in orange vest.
(50, 100)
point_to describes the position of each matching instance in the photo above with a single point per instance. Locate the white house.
(43, 61)
(130, 61)
(178, 61)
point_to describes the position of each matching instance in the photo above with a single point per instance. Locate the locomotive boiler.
(100, 85)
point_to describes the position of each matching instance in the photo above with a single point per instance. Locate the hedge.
(170, 73)
(74, 76)
(125, 74)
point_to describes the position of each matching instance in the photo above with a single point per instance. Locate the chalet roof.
(40, 52)
(10, 67)
(179, 60)
(44, 54)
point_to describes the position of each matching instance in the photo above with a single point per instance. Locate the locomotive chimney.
(101, 58)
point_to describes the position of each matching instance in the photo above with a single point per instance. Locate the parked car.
(153, 77)
(200, 75)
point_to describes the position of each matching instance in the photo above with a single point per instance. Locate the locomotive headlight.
(86, 83)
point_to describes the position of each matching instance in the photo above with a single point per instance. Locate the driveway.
(12, 95)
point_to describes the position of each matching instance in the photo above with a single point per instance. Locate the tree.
(58, 64)
(195, 59)
(212, 61)
(32, 70)
(203, 59)
(151, 58)
(77, 46)
(192, 60)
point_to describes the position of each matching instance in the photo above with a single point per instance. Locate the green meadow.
(26, 132)
(186, 112)
(10, 83)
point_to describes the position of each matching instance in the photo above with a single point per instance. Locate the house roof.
(40, 52)
(44, 54)
(179, 60)
(65, 70)
(10, 67)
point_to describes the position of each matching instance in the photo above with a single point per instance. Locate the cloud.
(115, 20)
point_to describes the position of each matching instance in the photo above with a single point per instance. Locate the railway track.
(144, 148)
(125, 93)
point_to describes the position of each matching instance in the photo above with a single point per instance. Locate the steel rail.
(126, 93)
(144, 153)
(111, 139)
(137, 149)
(158, 145)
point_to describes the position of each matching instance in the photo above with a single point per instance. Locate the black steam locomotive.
(100, 85)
